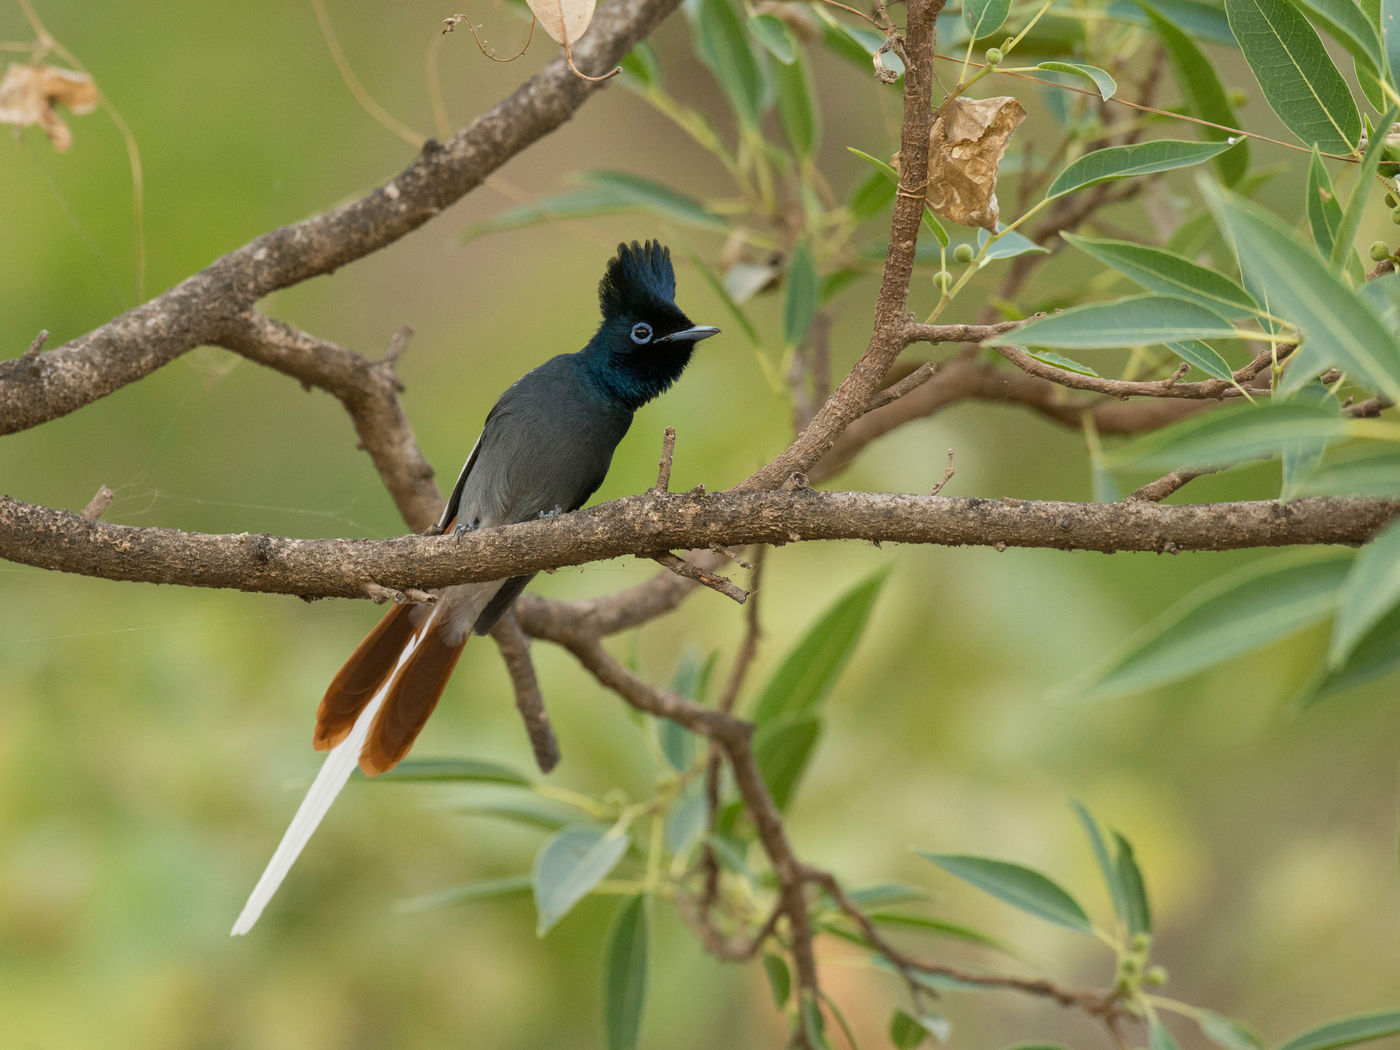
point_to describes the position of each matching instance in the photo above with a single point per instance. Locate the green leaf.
(486, 889)
(1008, 245)
(985, 17)
(1348, 25)
(1299, 81)
(640, 65)
(803, 295)
(604, 192)
(868, 898)
(809, 671)
(1021, 887)
(1371, 590)
(1136, 321)
(1342, 247)
(1226, 1032)
(1202, 21)
(1204, 357)
(635, 191)
(1106, 85)
(522, 807)
(797, 109)
(1059, 361)
(723, 45)
(779, 978)
(1337, 327)
(1158, 1038)
(689, 679)
(1324, 213)
(1168, 273)
(1134, 891)
(1107, 869)
(1390, 35)
(1376, 654)
(871, 196)
(625, 975)
(772, 32)
(781, 749)
(722, 293)
(455, 769)
(930, 219)
(685, 819)
(1232, 615)
(907, 1031)
(1347, 1032)
(1230, 435)
(942, 927)
(569, 864)
(1301, 457)
(1124, 162)
(1375, 474)
(1201, 91)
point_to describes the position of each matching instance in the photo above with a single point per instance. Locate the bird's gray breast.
(546, 444)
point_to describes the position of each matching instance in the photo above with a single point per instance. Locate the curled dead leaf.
(564, 20)
(966, 145)
(28, 95)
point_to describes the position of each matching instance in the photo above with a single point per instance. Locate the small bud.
(1395, 216)
(1379, 251)
(1130, 966)
(994, 56)
(1142, 941)
(943, 279)
(963, 253)
(1155, 977)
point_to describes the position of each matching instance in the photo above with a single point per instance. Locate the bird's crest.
(638, 277)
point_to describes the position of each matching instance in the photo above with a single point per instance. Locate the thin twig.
(99, 503)
(529, 701)
(704, 577)
(36, 346)
(668, 452)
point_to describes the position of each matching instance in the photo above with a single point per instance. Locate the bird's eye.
(641, 333)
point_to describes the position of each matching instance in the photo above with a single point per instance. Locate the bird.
(544, 449)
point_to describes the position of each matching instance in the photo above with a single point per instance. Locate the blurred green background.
(154, 741)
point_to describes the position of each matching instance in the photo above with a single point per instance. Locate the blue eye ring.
(641, 333)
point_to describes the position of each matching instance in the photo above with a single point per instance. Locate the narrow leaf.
(930, 219)
(1140, 158)
(810, 670)
(1168, 273)
(569, 864)
(1021, 887)
(1158, 1038)
(1240, 612)
(1203, 21)
(1227, 1033)
(1375, 655)
(905, 1031)
(782, 749)
(1347, 1032)
(1134, 892)
(1390, 34)
(803, 295)
(1204, 357)
(1299, 81)
(625, 975)
(1230, 435)
(1349, 26)
(1135, 321)
(723, 45)
(486, 889)
(779, 978)
(1060, 361)
(1338, 327)
(656, 198)
(1106, 85)
(1375, 474)
(1104, 860)
(1371, 590)
(772, 32)
(1342, 246)
(1324, 212)
(797, 108)
(1202, 92)
(1008, 245)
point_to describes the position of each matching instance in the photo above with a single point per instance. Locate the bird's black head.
(645, 341)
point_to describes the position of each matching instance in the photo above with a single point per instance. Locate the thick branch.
(40, 387)
(60, 540)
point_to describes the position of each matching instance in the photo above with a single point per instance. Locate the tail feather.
(409, 699)
(369, 666)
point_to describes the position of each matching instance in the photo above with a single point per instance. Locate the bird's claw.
(553, 512)
(462, 528)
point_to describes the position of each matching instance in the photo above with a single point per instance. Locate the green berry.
(1390, 200)
(963, 253)
(1379, 251)
(1395, 216)
(994, 56)
(1155, 977)
(1142, 941)
(943, 279)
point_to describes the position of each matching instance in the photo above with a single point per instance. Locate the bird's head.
(645, 341)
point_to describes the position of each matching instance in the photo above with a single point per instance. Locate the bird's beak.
(690, 335)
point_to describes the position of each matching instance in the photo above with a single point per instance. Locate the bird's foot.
(553, 512)
(464, 527)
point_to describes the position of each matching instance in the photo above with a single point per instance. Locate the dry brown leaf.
(564, 20)
(966, 145)
(28, 95)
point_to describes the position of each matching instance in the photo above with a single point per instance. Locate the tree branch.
(53, 539)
